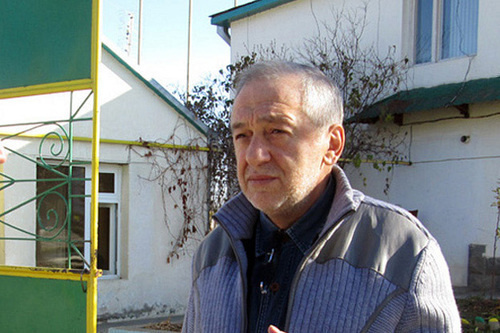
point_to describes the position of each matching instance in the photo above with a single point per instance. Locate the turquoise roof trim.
(224, 19)
(162, 93)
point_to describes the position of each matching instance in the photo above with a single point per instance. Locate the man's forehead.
(283, 89)
(267, 101)
(249, 117)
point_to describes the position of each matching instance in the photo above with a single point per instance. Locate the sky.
(165, 38)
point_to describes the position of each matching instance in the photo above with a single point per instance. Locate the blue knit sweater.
(374, 268)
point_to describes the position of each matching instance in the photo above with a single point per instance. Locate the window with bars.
(63, 217)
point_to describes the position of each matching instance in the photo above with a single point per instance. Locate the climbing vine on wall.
(211, 103)
(181, 173)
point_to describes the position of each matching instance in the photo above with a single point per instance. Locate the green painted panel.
(44, 41)
(41, 305)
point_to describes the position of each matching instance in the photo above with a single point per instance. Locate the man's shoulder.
(216, 245)
(391, 217)
(379, 236)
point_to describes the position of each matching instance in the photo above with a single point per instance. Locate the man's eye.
(277, 131)
(239, 136)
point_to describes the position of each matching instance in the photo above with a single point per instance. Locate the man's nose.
(257, 151)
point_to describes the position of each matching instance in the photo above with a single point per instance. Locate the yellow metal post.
(94, 205)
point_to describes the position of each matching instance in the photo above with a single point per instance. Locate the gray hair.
(321, 98)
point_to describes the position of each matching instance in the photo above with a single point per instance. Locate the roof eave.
(225, 18)
(421, 99)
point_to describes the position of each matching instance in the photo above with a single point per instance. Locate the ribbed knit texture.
(220, 304)
(245, 212)
(337, 295)
(429, 303)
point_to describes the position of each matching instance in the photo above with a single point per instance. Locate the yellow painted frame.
(42, 273)
(94, 204)
(112, 141)
(46, 88)
(93, 84)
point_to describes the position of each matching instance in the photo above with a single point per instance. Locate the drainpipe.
(190, 24)
(223, 32)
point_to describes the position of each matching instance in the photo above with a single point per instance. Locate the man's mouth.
(260, 179)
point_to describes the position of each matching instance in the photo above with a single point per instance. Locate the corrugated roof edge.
(161, 92)
(225, 18)
(420, 99)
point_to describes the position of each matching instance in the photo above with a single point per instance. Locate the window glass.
(103, 238)
(106, 182)
(424, 31)
(59, 218)
(107, 240)
(459, 28)
(445, 29)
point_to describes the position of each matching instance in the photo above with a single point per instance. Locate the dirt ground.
(477, 306)
(476, 311)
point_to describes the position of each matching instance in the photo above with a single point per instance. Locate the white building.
(140, 210)
(450, 112)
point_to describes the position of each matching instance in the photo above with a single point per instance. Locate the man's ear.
(336, 137)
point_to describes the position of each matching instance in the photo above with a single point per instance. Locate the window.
(55, 226)
(445, 29)
(109, 200)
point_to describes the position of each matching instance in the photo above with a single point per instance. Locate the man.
(299, 250)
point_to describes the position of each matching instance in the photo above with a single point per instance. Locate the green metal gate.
(48, 47)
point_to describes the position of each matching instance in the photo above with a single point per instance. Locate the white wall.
(146, 285)
(292, 23)
(389, 22)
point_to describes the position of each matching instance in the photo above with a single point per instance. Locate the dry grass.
(166, 325)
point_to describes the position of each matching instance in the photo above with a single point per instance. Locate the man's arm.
(431, 305)
(189, 317)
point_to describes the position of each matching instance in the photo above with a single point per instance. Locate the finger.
(274, 329)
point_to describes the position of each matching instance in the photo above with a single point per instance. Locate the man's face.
(280, 153)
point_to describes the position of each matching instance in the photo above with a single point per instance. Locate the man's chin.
(265, 203)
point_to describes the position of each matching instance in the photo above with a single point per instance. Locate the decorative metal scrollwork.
(56, 150)
(52, 224)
